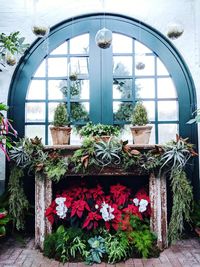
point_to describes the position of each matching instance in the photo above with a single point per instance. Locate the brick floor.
(184, 253)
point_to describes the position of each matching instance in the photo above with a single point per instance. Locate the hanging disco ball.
(140, 66)
(103, 38)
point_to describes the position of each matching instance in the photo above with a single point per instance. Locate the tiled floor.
(185, 253)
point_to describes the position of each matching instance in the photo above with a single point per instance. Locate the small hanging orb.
(10, 59)
(174, 30)
(140, 65)
(73, 76)
(40, 31)
(103, 38)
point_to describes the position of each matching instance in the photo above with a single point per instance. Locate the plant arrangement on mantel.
(60, 129)
(140, 130)
(171, 159)
(11, 46)
(99, 130)
(99, 225)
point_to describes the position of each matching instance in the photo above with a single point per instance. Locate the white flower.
(106, 212)
(61, 209)
(96, 207)
(136, 201)
(143, 205)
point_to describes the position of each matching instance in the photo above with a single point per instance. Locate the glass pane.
(122, 66)
(79, 44)
(62, 49)
(145, 88)
(167, 132)
(152, 139)
(51, 109)
(80, 111)
(161, 69)
(122, 88)
(144, 65)
(35, 112)
(79, 65)
(166, 88)
(141, 49)
(40, 72)
(54, 89)
(167, 110)
(36, 90)
(57, 67)
(79, 89)
(121, 43)
(122, 111)
(32, 131)
(150, 106)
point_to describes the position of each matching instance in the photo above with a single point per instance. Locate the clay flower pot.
(141, 134)
(60, 135)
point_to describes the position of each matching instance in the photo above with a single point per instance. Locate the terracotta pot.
(60, 135)
(141, 134)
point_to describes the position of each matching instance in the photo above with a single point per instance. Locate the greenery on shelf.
(97, 130)
(60, 116)
(139, 116)
(11, 45)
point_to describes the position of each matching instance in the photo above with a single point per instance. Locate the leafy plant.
(78, 112)
(11, 43)
(182, 204)
(117, 247)
(139, 116)
(55, 168)
(77, 246)
(107, 153)
(91, 129)
(196, 119)
(18, 203)
(50, 245)
(195, 216)
(60, 116)
(4, 219)
(124, 112)
(97, 250)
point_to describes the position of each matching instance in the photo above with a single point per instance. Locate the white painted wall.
(18, 15)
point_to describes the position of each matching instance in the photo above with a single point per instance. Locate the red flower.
(132, 210)
(92, 220)
(3, 214)
(78, 208)
(120, 194)
(50, 212)
(97, 192)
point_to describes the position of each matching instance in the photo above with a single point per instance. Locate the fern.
(77, 246)
(18, 203)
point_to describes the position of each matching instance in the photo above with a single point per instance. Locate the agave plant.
(177, 153)
(107, 153)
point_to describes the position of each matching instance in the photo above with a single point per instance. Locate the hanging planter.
(103, 38)
(140, 65)
(175, 30)
(11, 59)
(40, 31)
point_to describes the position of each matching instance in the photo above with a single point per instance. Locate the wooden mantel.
(157, 193)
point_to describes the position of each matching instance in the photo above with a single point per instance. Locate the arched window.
(102, 85)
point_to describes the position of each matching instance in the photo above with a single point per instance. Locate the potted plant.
(99, 131)
(140, 130)
(4, 219)
(60, 129)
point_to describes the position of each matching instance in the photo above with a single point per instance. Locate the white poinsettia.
(136, 201)
(143, 205)
(106, 212)
(61, 209)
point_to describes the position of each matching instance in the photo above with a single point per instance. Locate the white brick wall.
(17, 15)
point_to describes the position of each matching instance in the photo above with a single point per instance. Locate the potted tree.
(60, 130)
(140, 130)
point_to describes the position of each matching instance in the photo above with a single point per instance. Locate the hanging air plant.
(73, 76)
(40, 31)
(175, 30)
(103, 38)
(140, 65)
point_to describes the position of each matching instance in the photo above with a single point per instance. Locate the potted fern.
(60, 130)
(140, 130)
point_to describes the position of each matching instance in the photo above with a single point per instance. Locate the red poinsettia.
(50, 212)
(120, 194)
(91, 222)
(3, 214)
(78, 208)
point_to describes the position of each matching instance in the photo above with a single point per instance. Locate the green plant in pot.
(60, 130)
(140, 129)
